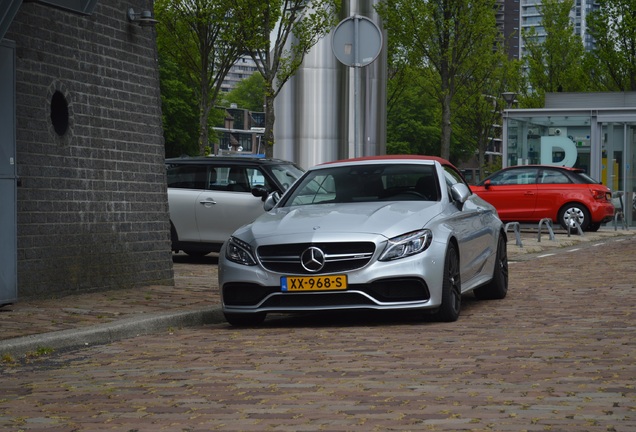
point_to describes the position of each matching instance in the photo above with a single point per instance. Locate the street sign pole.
(355, 51)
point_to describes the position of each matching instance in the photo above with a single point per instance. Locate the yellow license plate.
(313, 283)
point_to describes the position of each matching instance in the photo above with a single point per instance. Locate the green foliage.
(411, 115)
(555, 62)
(447, 41)
(179, 111)
(297, 28)
(200, 38)
(480, 107)
(441, 57)
(612, 63)
(249, 93)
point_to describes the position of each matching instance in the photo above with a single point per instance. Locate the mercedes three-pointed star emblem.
(312, 259)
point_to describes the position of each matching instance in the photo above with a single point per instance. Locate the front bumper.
(392, 293)
(410, 283)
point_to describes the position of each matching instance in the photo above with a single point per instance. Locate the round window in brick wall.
(59, 113)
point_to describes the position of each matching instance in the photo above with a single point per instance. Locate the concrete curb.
(109, 332)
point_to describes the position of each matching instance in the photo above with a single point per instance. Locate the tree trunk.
(446, 127)
(270, 117)
(203, 129)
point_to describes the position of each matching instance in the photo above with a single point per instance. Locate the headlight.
(239, 252)
(407, 244)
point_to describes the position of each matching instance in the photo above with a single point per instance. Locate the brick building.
(83, 203)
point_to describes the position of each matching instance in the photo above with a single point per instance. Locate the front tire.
(497, 288)
(451, 288)
(571, 212)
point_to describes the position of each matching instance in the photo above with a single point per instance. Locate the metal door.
(8, 193)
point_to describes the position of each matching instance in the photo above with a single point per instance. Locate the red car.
(529, 193)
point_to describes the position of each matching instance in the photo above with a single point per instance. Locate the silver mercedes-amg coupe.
(382, 233)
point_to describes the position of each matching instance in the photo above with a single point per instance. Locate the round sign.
(356, 41)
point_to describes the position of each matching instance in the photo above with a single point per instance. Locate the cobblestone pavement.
(196, 288)
(556, 355)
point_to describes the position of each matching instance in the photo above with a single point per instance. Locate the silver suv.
(210, 197)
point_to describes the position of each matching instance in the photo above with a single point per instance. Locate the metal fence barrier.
(517, 231)
(620, 213)
(577, 226)
(548, 224)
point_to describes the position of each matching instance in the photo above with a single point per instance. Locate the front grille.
(339, 257)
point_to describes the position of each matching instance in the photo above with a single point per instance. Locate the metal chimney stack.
(315, 109)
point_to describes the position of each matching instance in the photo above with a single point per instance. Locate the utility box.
(8, 177)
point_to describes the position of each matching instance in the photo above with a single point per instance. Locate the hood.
(384, 218)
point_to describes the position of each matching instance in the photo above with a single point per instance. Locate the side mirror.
(260, 192)
(487, 184)
(460, 192)
(271, 201)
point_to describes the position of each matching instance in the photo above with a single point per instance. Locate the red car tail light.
(601, 195)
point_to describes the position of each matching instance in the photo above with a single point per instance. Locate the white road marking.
(545, 255)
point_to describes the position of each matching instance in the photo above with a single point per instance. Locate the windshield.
(286, 174)
(364, 183)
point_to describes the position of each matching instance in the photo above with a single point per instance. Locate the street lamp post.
(509, 97)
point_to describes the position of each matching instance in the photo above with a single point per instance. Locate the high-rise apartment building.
(243, 68)
(507, 15)
(531, 18)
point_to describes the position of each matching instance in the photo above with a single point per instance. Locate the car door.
(228, 203)
(473, 228)
(513, 192)
(186, 183)
(553, 189)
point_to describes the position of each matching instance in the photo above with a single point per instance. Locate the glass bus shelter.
(601, 141)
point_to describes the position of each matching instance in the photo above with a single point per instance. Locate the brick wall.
(92, 205)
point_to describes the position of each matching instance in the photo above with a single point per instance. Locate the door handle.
(208, 201)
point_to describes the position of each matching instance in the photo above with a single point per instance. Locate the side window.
(221, 181)
(255, 177)
(515, 177)
(236, 178)
(452, 176)
(187, 176)
(554, 177)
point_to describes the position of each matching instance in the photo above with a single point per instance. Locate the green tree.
(554, 62)
(200, 37)
(479, 109)
(612, 63)
(249, 93)
(411, 114)
(446, 40)
(179, 111)
(296, 26)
